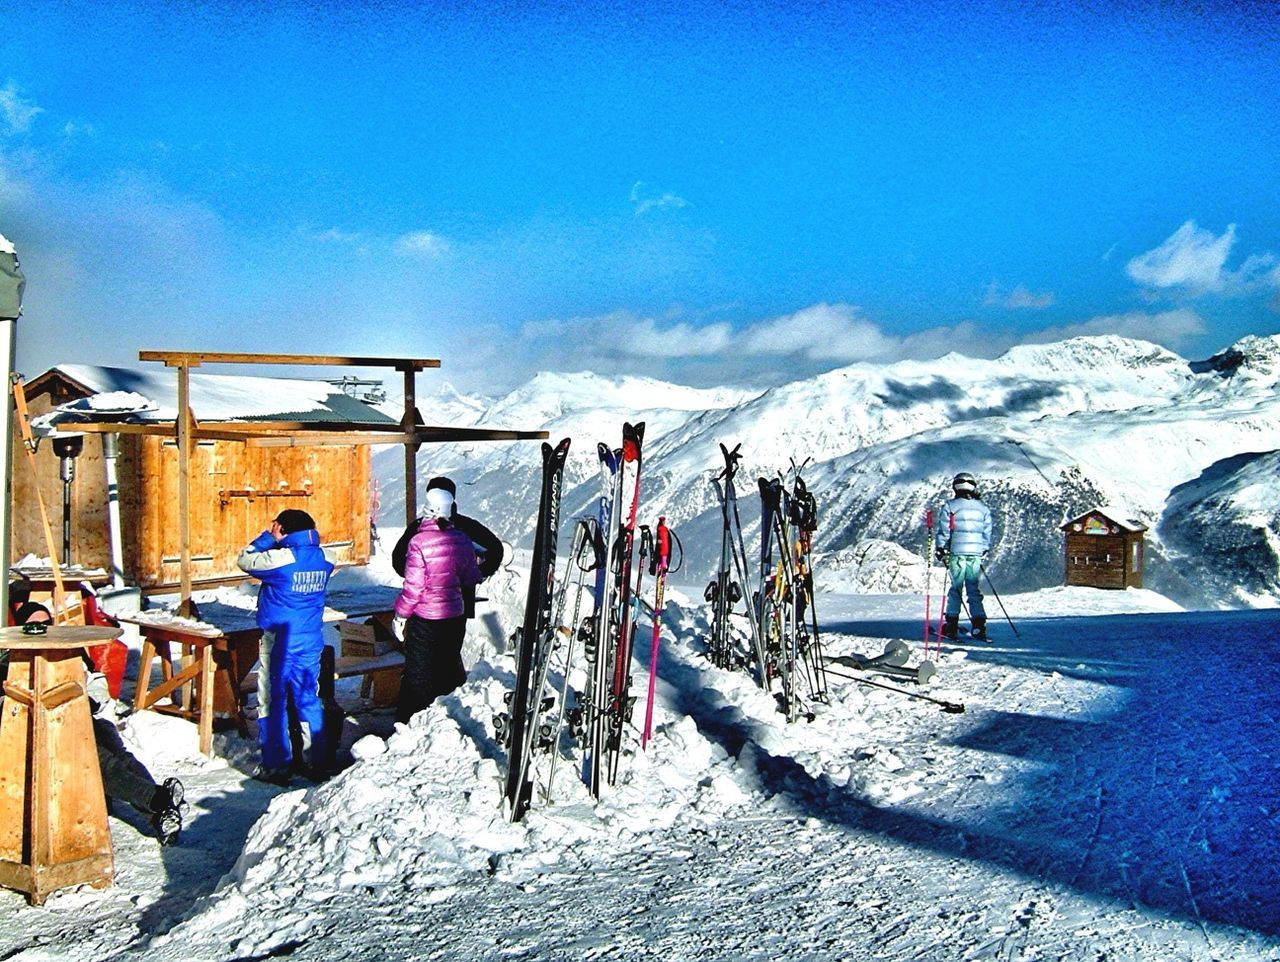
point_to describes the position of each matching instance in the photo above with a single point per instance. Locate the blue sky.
(719, 193)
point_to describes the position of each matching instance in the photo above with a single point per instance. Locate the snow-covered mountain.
(1186, 448)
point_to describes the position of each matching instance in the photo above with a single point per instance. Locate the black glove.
(941, 554)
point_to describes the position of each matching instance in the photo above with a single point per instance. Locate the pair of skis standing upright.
(781, 618)
(605, 546)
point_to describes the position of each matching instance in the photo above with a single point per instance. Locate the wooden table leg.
(206, 698)
(144, 674)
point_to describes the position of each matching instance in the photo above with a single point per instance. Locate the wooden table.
(53, 812)
(213, 662)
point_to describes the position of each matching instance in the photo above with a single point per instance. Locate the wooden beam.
(407, 423)
(423, 435)
(196, 358)
(269, 434)
(308, 427)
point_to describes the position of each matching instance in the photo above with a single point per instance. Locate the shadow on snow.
(1163, 790)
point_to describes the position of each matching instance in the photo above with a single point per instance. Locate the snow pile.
(423, 810)
(874, 567)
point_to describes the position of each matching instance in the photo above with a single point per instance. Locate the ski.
(803, 515)
(519, 727)
(589, 722)
(585, 556)
(788, 617)
(621, 632)
(723, 593)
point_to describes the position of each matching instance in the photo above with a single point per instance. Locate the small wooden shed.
(1102, 552)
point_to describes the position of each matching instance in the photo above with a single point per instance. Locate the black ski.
(535, 638)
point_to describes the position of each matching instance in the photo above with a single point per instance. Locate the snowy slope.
(1080, 808)
(1051, 430)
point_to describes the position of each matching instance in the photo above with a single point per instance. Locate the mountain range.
(1188, 449)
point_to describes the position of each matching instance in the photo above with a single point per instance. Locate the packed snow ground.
(1109, 793)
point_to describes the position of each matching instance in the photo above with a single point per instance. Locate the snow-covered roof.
(151, 395)
(1130, 525)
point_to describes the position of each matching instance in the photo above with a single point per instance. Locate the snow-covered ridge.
(1051, 430)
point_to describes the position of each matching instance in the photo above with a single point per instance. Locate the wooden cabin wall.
(90, 547)
(1096, 561)
(330, 483)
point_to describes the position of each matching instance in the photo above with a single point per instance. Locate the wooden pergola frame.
(187, 430)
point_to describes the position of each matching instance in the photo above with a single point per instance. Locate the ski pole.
(996, 595)
(928, 578)
(952, 707)
(662, 559)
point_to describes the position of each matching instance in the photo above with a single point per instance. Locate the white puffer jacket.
(966, 527)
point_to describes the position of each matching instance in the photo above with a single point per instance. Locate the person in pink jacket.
(431, 612)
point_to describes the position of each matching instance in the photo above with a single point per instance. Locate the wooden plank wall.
(329, 483)
(1096, 561)
(89, 542)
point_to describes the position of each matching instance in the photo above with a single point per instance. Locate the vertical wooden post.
(410, 447)
(184, 485)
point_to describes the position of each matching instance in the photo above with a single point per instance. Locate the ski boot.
(168, 807)
(979, 631)
(950, 627)
(272, 776)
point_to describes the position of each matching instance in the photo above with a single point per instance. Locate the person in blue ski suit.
(963, 544)
(294, 571)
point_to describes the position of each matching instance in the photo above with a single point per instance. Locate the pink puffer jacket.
(439, 563)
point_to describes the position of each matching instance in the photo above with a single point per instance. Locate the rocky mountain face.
(1186, 448)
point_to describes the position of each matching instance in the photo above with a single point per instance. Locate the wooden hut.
(201, 477)
(235, 489)
(1102, 552)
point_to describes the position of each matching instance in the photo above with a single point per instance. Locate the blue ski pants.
(289, 681)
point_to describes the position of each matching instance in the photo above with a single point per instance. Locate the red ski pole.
(942, 607)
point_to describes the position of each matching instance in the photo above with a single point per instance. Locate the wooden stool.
(53, 812)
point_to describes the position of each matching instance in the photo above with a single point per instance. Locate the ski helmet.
(439, 503)
(964, 483)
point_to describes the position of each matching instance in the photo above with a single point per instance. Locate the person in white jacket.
(963, 545)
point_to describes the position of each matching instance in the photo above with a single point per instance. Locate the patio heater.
(12, 284)
(67, 447)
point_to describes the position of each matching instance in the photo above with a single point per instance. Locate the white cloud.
(1194, 262)
(421, 244)
(644, 203)
(335, 235)
(1020, 298)
(620, 335)
(16, 113)
(1190, 259)
(831, 332)
(1169, 328)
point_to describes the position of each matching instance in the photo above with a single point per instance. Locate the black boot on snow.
(167, 808)
(979, 629)
(950, 626)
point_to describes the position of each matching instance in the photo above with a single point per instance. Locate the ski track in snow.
(1110, 793)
